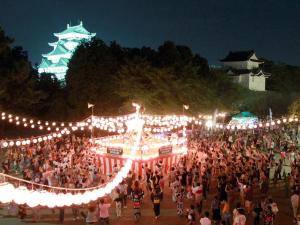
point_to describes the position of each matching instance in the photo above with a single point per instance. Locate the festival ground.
(168, 212)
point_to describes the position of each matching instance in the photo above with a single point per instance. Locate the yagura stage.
(115, 150)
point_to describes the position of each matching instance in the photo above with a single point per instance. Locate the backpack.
(136, 204)
(136, 198)
(156, 200)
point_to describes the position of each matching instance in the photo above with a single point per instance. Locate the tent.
(243, 119)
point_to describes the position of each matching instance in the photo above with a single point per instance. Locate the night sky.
(211, 28)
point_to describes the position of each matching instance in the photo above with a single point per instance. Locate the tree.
(294, 108)
(284, 78)
(54, 105)
(161, 91)
(18, 90)
(150, 86)
(90, 78)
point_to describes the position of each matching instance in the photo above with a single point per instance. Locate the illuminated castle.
(57, 60)
(246, 69)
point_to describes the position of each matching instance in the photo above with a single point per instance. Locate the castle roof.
(239, 56)
(45, 63)
(253, 72)
(63, 41)
(75, 29)
(62, 62)
(59, 50)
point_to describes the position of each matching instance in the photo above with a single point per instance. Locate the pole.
(92, 131)
(270, 115)
(214, 120)
(184, 128)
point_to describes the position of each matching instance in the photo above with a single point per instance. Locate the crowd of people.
(232, 171)
(61, 162)
(242, 163)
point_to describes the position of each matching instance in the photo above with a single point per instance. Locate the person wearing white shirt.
(205, 220)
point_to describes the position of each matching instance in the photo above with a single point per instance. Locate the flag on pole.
(186, 107)
(90, 105)
(270, 113)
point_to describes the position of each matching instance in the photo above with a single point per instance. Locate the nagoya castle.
(57, 60)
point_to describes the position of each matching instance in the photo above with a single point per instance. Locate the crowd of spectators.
(61, 162)
(232, 169)
(237, 168)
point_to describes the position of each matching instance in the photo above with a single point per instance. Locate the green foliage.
(54, 100)
(294, 108)
(285, 81)
(90, 78)
(18, 80)
(161, 91)
(285, 78)
(113, 77)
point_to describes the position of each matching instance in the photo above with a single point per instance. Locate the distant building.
(245, 68)
(57, 60)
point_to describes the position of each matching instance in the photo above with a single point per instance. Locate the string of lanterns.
(33, 140)
(33, 198)
(114, 141)
(153, 123)
(37, 124)
(156, 124)
(258, 125)
(51, 199)
(110, 124)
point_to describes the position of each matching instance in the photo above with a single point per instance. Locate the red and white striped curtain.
(108, 162)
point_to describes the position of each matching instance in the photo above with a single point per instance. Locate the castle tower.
(245, 68)
(57, 60)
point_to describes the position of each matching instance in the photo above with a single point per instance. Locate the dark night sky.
(211, 28)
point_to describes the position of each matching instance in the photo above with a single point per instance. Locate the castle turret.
(57, 60)
(245, 68)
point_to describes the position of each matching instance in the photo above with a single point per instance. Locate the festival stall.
(243, 119)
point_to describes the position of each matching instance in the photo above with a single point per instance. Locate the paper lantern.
(34, 198)
(68, 201)
(86, 197)
(60, 200)
(77, 199)
(51, 199)
(6, 192)
(20, 195)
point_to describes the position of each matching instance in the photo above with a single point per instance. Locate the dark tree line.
(162, 80)
(112, 77)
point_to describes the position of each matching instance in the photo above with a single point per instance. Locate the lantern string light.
(34, 123)
(136, 123)
(51, 199)
(33, 140)
(108, 123)
(33, 198)
(116, 124)
(259, 125)
(153, 123)
(34, 184)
